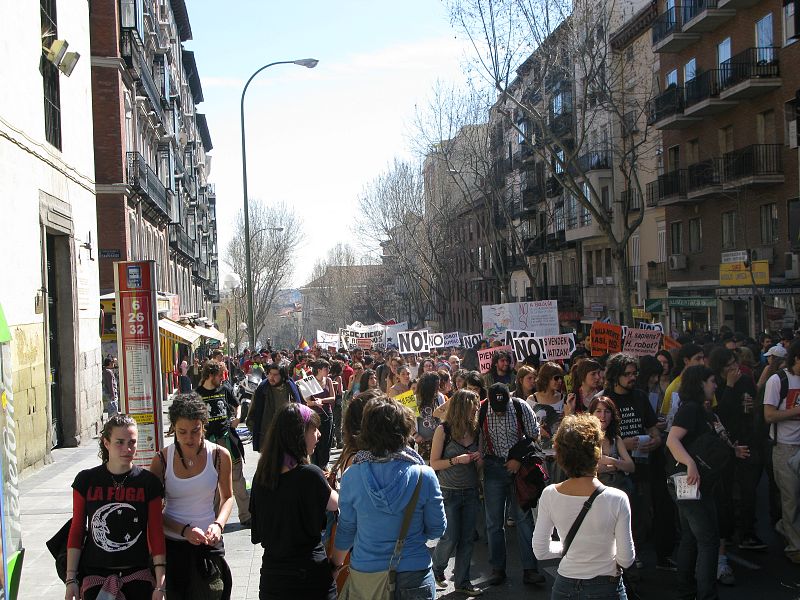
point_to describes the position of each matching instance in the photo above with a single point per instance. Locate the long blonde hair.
(462, 414)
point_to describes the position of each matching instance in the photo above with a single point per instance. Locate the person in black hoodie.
(736, 395)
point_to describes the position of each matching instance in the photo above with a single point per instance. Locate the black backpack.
(532, 476)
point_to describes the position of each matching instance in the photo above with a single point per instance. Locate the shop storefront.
(10, 525)
(762, 308)
(693, 313)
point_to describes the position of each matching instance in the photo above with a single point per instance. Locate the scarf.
(406, 454)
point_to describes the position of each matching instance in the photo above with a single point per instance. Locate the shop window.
(729, 230)
(769, 223)
(695, 236)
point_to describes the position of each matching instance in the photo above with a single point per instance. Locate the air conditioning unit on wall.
(676, 262)
(764, 253)
(792, 262)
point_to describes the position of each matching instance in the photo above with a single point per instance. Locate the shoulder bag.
(579, 519)
(381, 585)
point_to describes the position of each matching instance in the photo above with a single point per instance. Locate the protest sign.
(413, 342)
(451, 340)
(437, 340)
(326, 339)
(605, 338)
(308, 386)
(517, 333)
(485, 357)
(540, 316)
(558, 347)
(469, 341)
(640, 342)
(651, 326)
(364, 343)
(409, 400)
(528, 346)
(670, 343)
(393, 330)
(350, 335)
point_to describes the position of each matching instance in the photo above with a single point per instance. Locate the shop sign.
(640, 313)
(734, 292)
(736, 256)
(597, 307)
(738, 273)
(139, 354)
(693, 302)
(653, 305)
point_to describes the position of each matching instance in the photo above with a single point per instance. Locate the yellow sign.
(738, 274)
(409, 400)
(142, 418)
(640, 313)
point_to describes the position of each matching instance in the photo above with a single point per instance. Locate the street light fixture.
(309, 63)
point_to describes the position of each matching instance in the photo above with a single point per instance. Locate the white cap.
(778, 351)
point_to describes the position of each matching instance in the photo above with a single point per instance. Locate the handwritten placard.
(605, 338)
(409, 400)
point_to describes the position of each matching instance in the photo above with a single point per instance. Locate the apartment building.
(49, 291)
(727, 111)
(151, 151)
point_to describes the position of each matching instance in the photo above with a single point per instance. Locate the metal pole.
(251, 319)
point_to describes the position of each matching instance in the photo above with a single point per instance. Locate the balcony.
(595, 160)
(582, 228)
(552, 187)
(701, 94)
(515, 262)
(144, 181)
(665, 111)
(701, 16)
(562, 124)
(631, 200)
(180, 241)
(669, 188)
(751, 73)
(758, 164)
(532, 191)
(737, 3)
(524, 155)
(556, 241)
(534, 245)
(668, 35)
(704, 178)
(657, 274)
(202, 270)
(140, 70)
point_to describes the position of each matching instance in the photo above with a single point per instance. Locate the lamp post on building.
(309, 63)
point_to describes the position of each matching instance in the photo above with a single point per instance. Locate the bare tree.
(276, 233)
(574, 102)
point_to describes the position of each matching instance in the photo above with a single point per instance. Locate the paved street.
(46, 504)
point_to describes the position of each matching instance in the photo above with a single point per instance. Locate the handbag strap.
(407, 515)
(579, 519)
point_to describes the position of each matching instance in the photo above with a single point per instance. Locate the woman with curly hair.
(289, 500)
(589, 567)
(455, 457)
(114, 553)
(194, 472)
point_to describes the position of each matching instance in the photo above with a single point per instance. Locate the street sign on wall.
(139, 356)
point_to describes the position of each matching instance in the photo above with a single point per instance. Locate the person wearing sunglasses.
(547, 401)
(638, 428)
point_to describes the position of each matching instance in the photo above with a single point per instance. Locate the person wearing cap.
(499, 432)
(775, 357)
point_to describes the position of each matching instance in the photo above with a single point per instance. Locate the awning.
(211, 333)
(177, 332)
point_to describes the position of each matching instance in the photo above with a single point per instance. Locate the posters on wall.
(540, 316)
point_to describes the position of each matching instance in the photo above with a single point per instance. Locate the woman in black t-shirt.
(699, 545)
(122, 505)
(288, 501)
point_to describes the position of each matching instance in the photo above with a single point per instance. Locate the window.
(558, 104)
(671, 78)
(522, 132)
(689, 71)
(661, 234)
(676, 235)
(789, 21)
(764, 40)
(725, 139)
(723, 51)
(695, 236)
(729, 230)
(765, 127)
(558, 162)
(50, 81)
(769, 223)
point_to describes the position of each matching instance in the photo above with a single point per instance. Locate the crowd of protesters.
(712, 417)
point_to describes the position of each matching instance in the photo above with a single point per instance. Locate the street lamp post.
(309, 63)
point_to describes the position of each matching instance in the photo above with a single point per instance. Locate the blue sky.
(316, 136)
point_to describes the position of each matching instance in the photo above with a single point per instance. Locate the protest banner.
(326, 339)
(413, 342)
(393, 330)
(469, 341)
(540, 316)
(528, 346)
(364, 343)
(451, 340)
(308, 386)
(651, 326)
(517, 333)
(350, 335)
(485, 357)
(409, 400)
(558, 347)
(640, 342)
(605, 338)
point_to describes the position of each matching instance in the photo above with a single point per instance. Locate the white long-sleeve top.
(603, 540)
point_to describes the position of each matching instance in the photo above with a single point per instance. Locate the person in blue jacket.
(374, 493)
(274, 392)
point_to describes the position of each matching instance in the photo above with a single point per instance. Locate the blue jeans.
(461, 509)
(497, 490)
(415, 585)
(598, 588)
(698, 550)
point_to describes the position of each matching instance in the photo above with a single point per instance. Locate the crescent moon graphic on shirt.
(101, 530)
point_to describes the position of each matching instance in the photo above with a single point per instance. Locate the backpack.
(532, 476)
(773, 438)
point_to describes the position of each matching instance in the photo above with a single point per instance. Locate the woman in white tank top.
(194, 471)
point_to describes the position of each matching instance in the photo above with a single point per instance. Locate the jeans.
(415, 585)
(597, 588)
(497, 490)
(322, 451)
(461, 509)
(698, 550)
(789, 485)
